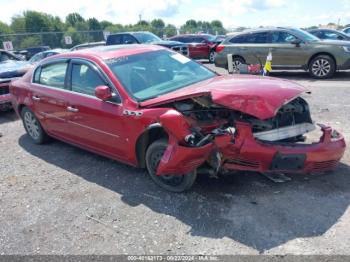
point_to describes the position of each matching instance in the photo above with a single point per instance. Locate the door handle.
(36, 98)
(72, 109)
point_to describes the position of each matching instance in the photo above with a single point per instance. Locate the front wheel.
(321, 67)
(173, 183)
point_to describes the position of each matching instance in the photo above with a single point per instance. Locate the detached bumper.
(247, 153)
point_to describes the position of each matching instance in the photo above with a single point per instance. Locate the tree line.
(34, 28)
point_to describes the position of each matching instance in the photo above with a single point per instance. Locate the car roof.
(132, 32)
(113, 51)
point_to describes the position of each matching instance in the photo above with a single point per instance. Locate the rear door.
(49, 90)
(253, 47)
(198, 47)
(93, 123)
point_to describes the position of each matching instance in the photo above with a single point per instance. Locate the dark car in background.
(330, 34)
(291, 48)
(31, 51)
(201, 46)
(40, 56)
(346, 30)
(145, 38)
(11, 67)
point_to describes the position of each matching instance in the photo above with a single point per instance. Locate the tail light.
(219, 48)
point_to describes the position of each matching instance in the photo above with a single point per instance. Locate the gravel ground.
(58, 199)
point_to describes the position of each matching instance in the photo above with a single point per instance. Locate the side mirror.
(103, 92)
(296, 42)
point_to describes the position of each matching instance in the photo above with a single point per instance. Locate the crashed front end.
(210, 137)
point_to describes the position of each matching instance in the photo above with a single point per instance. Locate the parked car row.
(291, 48)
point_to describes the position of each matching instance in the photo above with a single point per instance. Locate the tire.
(212, 56)
(33, 127)
(173, 183)
(322, 67)
(236, 61)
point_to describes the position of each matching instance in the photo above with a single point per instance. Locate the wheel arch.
(151, 134)
(322, 53)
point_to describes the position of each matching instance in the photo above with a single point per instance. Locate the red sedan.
(150, 107)
(200, 46)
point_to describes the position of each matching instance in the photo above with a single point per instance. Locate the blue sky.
(232, 13)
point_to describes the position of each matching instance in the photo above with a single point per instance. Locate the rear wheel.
(33, 126)
(321, 67)
(174, 183)
(212, 56)
(236, 62)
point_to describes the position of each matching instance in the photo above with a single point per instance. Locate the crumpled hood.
(12, 68)
(261, 97)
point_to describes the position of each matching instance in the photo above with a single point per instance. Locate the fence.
(52, 39)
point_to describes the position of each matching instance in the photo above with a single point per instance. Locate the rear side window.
(114, 40)
(332, 35)
(53, 75)
(85, 79)
(253, 38)
(238, 39)
(128, 39)
(197, 39)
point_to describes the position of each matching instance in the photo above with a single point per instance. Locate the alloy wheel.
(32, 125)
(321, 67)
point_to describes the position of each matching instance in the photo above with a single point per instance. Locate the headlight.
(346, 49)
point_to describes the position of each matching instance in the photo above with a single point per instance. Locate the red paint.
(113, 129)
(199, 45)
(256, 96)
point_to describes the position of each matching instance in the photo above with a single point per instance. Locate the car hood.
(13, 68)
(168, 43)
(260, 97)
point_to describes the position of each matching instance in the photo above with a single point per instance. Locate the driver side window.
(282, 37)
(85, 79)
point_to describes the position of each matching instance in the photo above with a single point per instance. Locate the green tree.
(157, 27)
(30, 41)
(104, 24)
(170, 30)
(74, 18)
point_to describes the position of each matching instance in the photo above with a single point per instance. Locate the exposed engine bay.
(208, 120)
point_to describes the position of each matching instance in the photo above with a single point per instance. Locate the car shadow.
(7, 116)
(244, 207)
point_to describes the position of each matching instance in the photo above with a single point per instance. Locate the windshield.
(155, 73)
(306, 36)
(146, 37)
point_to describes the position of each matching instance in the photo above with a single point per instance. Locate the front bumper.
(247, 153)
(244, 152)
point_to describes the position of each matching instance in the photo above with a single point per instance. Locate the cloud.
(239, 7)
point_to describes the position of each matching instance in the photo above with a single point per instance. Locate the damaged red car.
(150, 107)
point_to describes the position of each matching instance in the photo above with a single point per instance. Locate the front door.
(285, 54)
(94, 123)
